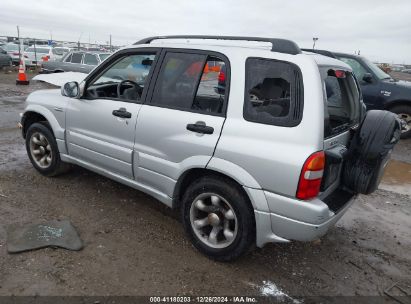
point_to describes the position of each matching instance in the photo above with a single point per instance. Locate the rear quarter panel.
(273, 155)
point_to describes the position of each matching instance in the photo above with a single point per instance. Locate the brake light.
(337, 73)
(221, 77)
(311, 176)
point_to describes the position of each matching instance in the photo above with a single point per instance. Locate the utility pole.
(315, 39)
(18, 37)
(78, 43)
(110, 44)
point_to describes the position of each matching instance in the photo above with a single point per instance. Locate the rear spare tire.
(369, 151)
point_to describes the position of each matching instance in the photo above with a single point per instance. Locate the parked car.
(36, 54)
(380, 91)
(406, 71)
(75, 61)
(5, 59)
(397, 68)
(13, 50)
(277, 155)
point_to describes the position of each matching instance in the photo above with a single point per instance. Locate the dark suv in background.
(380, 91)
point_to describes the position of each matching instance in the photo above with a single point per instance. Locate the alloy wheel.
(40, 150)
(213, 220)
(406, 118)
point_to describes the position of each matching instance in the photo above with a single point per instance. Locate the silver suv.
(253, 140)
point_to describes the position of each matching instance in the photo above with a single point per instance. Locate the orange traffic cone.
(21, 77)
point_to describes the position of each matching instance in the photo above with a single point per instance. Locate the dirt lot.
(136, 246)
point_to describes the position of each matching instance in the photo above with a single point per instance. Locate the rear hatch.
(343, 112)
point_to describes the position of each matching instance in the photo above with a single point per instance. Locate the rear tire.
(218, 218)
(42, 150)
(404, 113)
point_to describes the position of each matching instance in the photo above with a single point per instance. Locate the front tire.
(218, 218)
(42, 150)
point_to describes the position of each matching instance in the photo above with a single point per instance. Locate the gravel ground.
(136, 246)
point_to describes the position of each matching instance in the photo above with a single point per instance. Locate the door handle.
(200, 127)
(122, 112)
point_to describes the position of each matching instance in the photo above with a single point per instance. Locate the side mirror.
(367, 77)
(70, 89)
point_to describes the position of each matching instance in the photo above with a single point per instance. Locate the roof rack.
(321, 52)
(279, 45)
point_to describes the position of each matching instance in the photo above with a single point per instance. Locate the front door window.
(124, 80)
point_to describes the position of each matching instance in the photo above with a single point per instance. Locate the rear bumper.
(290, 219)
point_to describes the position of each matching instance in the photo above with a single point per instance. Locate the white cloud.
(380, 29)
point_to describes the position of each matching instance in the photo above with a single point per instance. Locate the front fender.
(58, 129)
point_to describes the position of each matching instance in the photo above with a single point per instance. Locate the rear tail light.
(221, 77)
(15, 53)
(25, 56)
(311, 176)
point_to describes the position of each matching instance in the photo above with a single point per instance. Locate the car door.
(100, 126)
(180, 124)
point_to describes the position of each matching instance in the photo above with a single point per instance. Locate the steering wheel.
(139, 88)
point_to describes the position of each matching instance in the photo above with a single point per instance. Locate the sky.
(380, 29)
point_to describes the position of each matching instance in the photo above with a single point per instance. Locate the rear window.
(274, 92)
(38, 50)
(342, 99)
(11, 47)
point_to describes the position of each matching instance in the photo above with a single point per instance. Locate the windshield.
(103, 56)
(380, 74)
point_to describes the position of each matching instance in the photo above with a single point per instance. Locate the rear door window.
(342, 96)
(191, 82)
(90, 59)
(76, 58)
(274, 92)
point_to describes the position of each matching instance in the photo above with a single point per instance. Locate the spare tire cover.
(369, 151)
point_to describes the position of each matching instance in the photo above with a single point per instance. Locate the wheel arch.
(36, 113)
(223, 169)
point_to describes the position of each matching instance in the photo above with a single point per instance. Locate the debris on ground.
(50, 234)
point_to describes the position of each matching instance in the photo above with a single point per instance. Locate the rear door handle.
(122, 112)
(200, 127)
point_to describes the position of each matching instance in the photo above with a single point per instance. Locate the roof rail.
(279, 45)
(321, 52)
